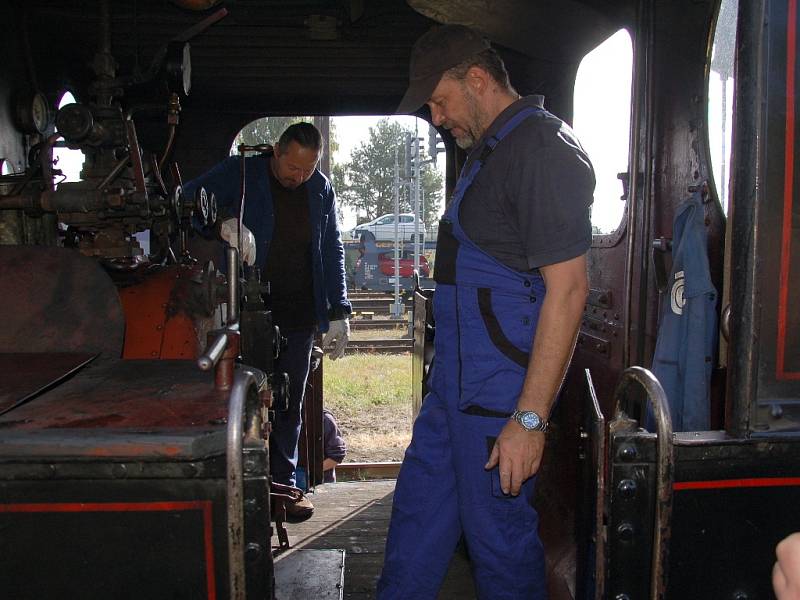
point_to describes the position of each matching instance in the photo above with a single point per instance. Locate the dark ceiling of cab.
(309, 56)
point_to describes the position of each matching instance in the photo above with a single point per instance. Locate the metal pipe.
(748, 195)
(105, 28)
(642, 109)
(46, 160)
(417, 188)
(243, 188)
(211, 356)
(664, 469)
(64, 199)
(232, 256)
(20, 202)
(114, 172)
(167, 146)
(243, 381)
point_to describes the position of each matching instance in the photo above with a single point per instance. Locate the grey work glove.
(228, 231)
(336, 338)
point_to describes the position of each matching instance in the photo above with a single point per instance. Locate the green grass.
(380, 334)
(357, 382)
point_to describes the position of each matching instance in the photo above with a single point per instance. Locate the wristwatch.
(530, 420)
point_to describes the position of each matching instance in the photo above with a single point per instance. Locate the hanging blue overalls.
(486, 315)
(687, 331)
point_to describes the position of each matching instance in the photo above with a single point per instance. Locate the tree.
(267, 130)
(366, 182)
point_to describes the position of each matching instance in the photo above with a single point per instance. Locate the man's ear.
(477, 79)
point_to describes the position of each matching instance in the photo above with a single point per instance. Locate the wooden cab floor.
(354, 516)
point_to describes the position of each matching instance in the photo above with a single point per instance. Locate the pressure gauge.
(187, 69)
(178, 68)
(33, 113)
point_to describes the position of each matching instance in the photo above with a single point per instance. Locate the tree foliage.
(366, 182)
(267, 130)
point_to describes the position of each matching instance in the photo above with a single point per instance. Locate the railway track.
(380, 346)
(378, 307)
(378, 323)
(375, 303)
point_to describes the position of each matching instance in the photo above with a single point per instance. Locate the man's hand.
(519, 454)
(337, 337)
(228, 231)
(786, 572)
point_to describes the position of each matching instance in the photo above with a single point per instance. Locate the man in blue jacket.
(290, 208)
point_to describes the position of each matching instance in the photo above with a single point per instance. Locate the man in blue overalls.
(511, 287)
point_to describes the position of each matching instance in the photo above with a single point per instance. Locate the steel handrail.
(243, 423)
(664, 468)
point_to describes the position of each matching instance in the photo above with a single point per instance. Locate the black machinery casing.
(113, 485)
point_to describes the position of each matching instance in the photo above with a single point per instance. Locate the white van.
(383, 228)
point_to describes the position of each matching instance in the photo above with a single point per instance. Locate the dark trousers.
(294, 360)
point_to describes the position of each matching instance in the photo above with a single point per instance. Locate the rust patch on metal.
(61, 302)
(140, 394)
(167, 312)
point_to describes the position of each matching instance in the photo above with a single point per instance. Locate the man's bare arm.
(519, 452)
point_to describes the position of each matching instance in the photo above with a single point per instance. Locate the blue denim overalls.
(486, 315)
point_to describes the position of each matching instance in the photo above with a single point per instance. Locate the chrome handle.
(243, 421)
(211, 356)
(725, 323)
(664, 468)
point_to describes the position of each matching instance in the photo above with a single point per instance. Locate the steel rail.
(664, 468)
(243, 422)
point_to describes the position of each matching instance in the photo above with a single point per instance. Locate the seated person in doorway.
(290, 208)
(335, 447)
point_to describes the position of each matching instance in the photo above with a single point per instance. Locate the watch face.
(530, 420)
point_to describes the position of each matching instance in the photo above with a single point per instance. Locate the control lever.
(224, 344)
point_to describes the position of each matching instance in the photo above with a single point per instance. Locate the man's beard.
(474, 129)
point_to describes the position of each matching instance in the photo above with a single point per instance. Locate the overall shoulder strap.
(507, 128)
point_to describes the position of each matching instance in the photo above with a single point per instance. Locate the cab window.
(604, 127)
(720, 99)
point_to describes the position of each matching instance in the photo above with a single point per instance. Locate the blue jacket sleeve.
(223, 180)
(333, 262)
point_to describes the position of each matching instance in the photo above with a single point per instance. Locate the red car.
(386, 263)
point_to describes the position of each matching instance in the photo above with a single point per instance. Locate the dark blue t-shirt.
(530, 205)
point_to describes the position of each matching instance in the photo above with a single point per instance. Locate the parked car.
(383, 228)
(406, 264)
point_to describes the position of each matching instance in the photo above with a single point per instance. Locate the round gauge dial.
(178, 68)
(33, 112)
(187, 69)
(40, 112)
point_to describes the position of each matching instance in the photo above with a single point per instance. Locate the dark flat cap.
(441, 48)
